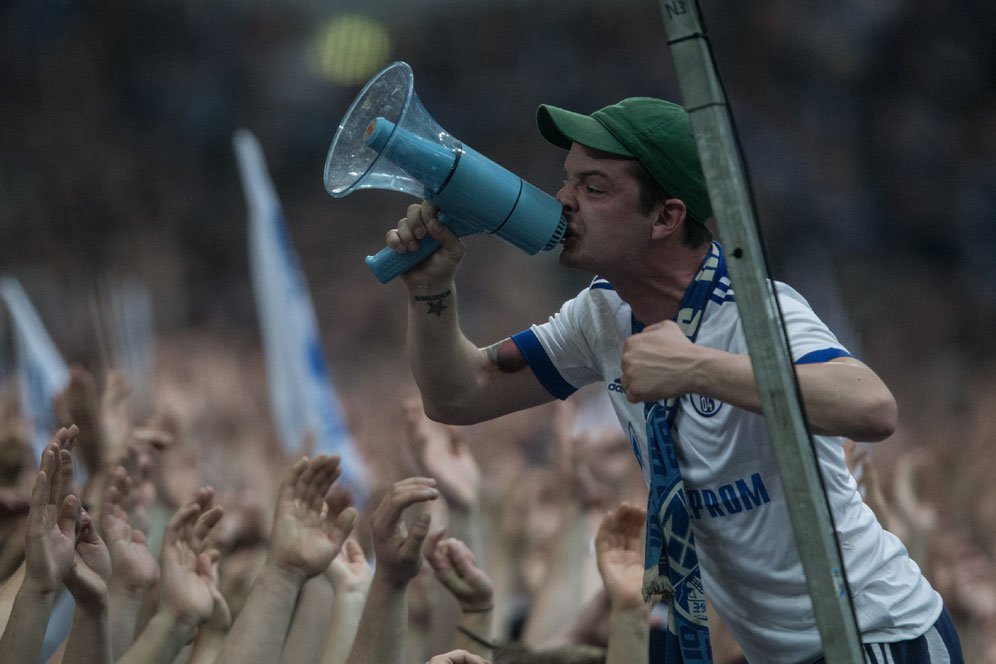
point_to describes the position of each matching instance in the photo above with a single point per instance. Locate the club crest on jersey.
(705, 406)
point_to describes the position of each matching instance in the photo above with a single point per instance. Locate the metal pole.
(728, 192)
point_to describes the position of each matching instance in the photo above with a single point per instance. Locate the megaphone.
(387, 140)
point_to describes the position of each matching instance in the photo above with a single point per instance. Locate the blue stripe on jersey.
(541, 365)
(600, 283)
(822, 355)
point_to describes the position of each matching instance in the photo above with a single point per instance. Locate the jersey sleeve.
(559, 352)
(810, 340)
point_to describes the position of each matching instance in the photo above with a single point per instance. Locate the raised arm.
(185, 590)
(50, 549)
(134, 569)
(460, 383)
(398, 550)
(89, 640)
(308, 531)
(619, 552)
(843, 397)
(457, 570)
(350, 575)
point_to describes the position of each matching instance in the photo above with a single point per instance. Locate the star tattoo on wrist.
(436, 303)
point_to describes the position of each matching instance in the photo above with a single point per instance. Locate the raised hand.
(619, 553)
(50, 545)
(138, 460)
(310, 526)
(398, 549)
(351, 577)
(134, 568)
(349, 572)
(187, 590)
(50, 552)
(456, 568)
(308, 529)
(442, 454)
(437, 271)
(91, 572)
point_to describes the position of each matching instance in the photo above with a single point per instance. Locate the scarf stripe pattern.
(671, 564)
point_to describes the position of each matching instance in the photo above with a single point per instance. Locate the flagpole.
(705, 100)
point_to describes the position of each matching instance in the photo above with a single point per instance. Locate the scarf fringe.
(656, 586)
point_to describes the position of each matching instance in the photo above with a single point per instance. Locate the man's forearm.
(207, 645)
(25, 629)
(347, 609)
(123, 609)
(460, 383)
(381, 634)
(629, 636)
(842, 397)
(260, 630)
(475, 634)
(309, 626)
(89, 640)
(160, 642)
(445, 364)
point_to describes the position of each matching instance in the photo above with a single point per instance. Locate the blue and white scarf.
(671, 564)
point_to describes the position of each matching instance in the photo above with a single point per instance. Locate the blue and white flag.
(42, 373)
(301, 394)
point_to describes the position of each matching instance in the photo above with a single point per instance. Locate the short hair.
(651, 193)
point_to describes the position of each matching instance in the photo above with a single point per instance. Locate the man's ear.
(670, 217)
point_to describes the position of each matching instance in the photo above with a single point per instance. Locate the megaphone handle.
(387, 263)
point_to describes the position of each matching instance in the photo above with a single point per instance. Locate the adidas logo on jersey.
(617, 386)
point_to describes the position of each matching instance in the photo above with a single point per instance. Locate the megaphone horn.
(387, 140)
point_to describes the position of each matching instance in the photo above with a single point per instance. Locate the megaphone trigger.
(387, 264)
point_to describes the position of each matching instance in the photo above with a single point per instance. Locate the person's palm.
(349, 571)
(622, 572)
(49, 550)
(185, 563)
(92, 567)
(186, 583)
(134, 566)
(300, 539)
(619, 554)
(308, 532)
(50, 545)
(131, 559)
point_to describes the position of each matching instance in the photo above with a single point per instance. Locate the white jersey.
(751, 569)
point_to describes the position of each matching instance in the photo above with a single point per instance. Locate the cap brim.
(562, 127)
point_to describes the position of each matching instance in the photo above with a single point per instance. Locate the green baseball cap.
(655, 132)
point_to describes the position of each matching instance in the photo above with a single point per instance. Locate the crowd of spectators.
(185, 543)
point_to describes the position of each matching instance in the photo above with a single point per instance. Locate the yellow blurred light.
(351, 48)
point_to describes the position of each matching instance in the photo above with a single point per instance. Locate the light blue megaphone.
(387, 140)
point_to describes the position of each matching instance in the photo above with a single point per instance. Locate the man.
(659, 326)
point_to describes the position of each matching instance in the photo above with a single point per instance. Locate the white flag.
(301, 393)
(42, 373)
